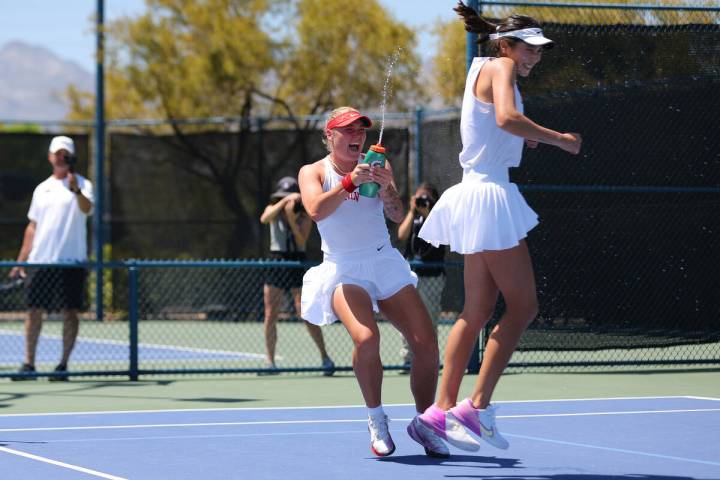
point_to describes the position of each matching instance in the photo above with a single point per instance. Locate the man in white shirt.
(56, 232)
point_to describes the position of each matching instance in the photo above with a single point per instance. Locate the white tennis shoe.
(381, 443)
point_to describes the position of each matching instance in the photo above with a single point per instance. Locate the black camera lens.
(422, 201)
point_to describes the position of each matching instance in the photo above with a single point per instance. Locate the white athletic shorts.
(380, 270)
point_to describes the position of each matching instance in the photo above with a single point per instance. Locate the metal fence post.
(471, 51)
(133, 314)
(419, 114)
(98, 234)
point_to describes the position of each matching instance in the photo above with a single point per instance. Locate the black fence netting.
(626, 251)
(202, 196)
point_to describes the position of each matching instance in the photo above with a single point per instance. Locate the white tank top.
(486, 147)
(357, 224)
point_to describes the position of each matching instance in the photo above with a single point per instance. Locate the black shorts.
(56, 288)
(285, 277)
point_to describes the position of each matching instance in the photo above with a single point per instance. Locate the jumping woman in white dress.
(486, 219)
(362, 272)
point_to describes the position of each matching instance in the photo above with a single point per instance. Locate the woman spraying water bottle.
(362, 273)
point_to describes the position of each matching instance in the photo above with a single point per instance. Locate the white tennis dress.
(356, 250)
(485, 211)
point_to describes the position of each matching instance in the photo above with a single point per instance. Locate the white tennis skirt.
(483, 212)
(380, 270)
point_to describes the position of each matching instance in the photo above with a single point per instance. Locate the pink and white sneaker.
(481, 422)
(448, 428)
(434, 447)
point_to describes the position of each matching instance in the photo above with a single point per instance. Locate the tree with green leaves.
(246, 59)
(448, 72)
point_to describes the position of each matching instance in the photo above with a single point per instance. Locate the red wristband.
(348, 184)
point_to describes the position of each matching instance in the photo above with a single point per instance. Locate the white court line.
(589, 414)
(226, 435)
(60, 464)
(526, 437)
(594, 399)
(306, 422)
(704, 398)
(323, 407)
(610, 449)
(184, 425)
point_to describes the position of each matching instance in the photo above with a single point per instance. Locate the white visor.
(532, 36)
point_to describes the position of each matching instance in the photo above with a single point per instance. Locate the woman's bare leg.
(271, 298)
(480, 298)
(408, 314)
(513, 274)
(353, 306)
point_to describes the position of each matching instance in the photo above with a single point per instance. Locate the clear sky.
(65, 27)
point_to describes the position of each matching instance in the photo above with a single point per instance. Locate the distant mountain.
(33, 81)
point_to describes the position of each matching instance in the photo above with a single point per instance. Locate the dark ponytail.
(474, 23)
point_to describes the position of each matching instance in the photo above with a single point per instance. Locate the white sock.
(376, 412)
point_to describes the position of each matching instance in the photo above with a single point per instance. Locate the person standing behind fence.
(362, 272)
(431, 280)
(290, 228)
(486, 219)
(56, 232)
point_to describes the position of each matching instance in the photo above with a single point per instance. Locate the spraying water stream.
(391, 64)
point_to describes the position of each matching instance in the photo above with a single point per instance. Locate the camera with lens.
(71, 161)
(423, 201)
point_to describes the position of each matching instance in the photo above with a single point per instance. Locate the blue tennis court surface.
(91, 350)
(657, 438)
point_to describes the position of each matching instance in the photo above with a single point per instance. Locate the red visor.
(346, 118)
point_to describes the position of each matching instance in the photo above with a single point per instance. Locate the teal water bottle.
(375, 157)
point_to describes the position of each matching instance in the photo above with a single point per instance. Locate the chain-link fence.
(208, 317)
(624, 255)
(183, 317)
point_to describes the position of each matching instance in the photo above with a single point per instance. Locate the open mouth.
(354, 147)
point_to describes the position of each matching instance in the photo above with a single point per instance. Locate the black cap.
(286, 186)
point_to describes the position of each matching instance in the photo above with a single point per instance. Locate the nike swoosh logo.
(485, 431)
(380, 248)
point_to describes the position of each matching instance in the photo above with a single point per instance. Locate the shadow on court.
(629, 476)
(487, 462)
(109, 390)
(648, 371)
(217, 400)
(6, 399)
(5, 443)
